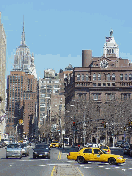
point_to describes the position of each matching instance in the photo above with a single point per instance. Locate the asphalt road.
(58, 165)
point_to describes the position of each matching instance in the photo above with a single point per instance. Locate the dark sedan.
(126, 150)
(41, 150)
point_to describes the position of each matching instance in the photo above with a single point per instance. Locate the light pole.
(74, 128)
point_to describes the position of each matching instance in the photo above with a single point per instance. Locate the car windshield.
(13, 146)
(104, 147)
(42, 147)
(103, 151)
(23, 145)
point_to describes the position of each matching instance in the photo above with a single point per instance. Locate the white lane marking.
(27, 160)
(41, 165)
(117, 167)
(81, 165)
(89, 162)
(107, 168)
(58, 164)
(124, 169)
(70, 161)
(129, 168)
(10, 165)
(87, 167)
(100, 166)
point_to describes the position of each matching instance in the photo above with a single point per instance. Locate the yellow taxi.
(96, 155)
(55, 145)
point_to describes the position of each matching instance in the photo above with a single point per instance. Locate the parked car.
(130, 150)
(25, 149)
(124, 144)
(126, 150)
(41, 150)
(13, 150)
(118, 143)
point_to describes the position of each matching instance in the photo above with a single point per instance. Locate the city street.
(58, 165)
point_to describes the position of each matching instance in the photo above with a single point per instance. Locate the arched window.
(99, 76)
(94, 77)
(108, 76)
(78, 77)
(82, 77)
(113, 76)
(125, 76)
(121, 77)
(130, 76)
(86, 77)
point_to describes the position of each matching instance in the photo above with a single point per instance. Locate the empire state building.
(22, 93)
(23, 61)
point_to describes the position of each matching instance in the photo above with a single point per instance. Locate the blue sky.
(57, 31)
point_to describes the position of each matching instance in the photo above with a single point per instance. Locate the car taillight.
(69, 154)
(107, 150)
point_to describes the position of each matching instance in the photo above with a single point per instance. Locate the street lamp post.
(74, 128)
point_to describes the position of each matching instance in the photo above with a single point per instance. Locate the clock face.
(103, 64)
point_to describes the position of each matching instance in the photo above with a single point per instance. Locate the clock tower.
(110, 48)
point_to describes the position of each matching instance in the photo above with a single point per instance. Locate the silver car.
(13, 150)
(25, 149)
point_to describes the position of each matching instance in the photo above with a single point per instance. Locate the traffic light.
(130, 123)
(104, 124)
(73, 123)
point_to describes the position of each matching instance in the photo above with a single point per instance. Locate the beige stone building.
(2, 78)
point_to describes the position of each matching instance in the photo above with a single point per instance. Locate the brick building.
(101, 79)
(21, 101)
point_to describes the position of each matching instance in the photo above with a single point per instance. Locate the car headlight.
(35, 152)
(119, 157)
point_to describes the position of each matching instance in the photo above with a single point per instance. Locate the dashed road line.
(58, 164)
(80, 171)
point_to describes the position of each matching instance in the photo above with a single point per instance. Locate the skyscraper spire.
(23, 33)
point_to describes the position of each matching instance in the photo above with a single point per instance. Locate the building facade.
(2, 79)
(48, 85)
(100, 80)
(22, 93)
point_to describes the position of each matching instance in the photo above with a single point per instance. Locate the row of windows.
(111, 96)
(108, 77)
(95, 84)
